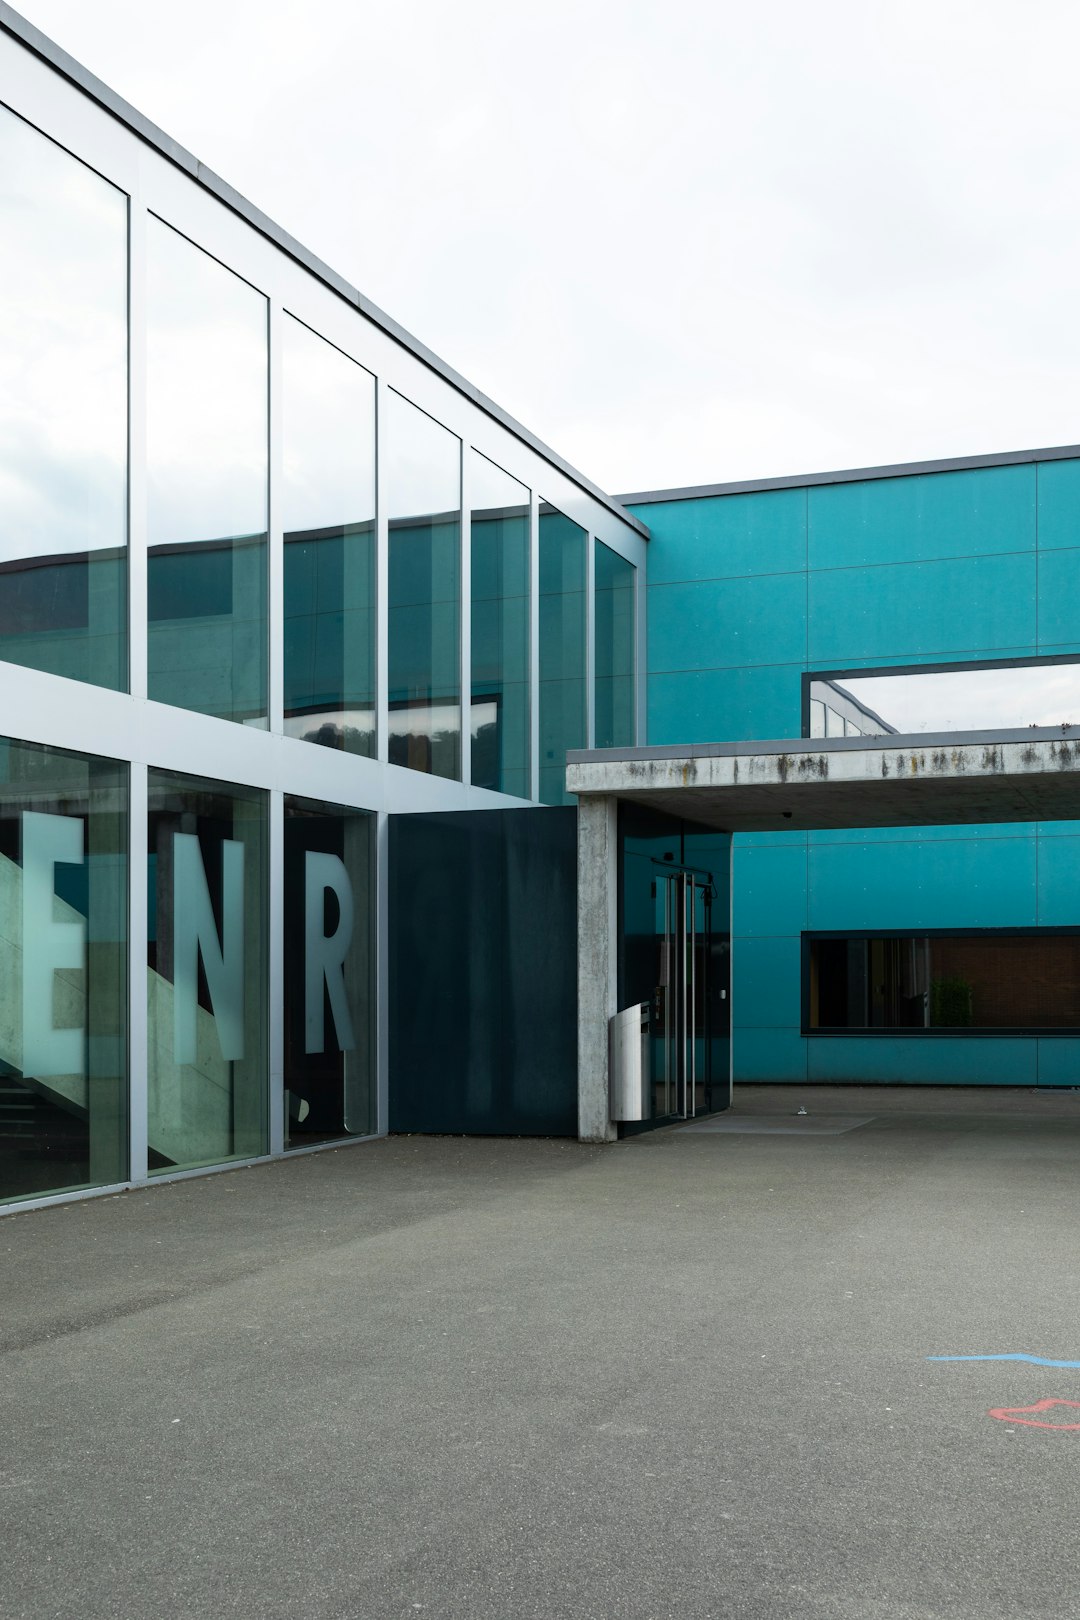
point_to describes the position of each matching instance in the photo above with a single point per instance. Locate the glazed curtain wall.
(63, 970)
(257, 438)
(203, 1075)
(746, 594)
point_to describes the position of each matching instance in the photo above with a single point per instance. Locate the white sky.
(682, 242)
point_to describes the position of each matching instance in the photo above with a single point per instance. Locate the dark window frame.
(939, 1032)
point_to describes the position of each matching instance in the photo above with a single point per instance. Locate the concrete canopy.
(802, 784)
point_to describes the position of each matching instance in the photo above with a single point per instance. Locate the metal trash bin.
(629, 1091)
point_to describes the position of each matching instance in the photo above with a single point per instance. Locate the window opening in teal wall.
(986, 696)
(990, 981)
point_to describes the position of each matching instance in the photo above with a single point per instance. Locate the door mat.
(781, 1124)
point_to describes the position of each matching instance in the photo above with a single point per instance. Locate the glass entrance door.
(684, 1009)
(675, 958)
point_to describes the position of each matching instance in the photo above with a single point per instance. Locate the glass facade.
(63, 412)
(63, 985)
(329, 498)
(206, 992)
(500, 629)
(423, 498)
(562, 649)
(330, 1082)
(207, 483)
(613, 595)
(190, 414)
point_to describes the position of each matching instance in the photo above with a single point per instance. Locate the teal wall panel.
(919, 519)
(727, 536)
(715, 624)
(1059, 1063)
(688, 706)
(965, 883)
(765, 981)
(948, 609)
(769, 886)
(922, 1060)
(1058, 505)
(1058, 883)
(924, 835)
(768, 1054)
(1059, 600)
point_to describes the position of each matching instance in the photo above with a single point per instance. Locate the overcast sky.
(682, 242)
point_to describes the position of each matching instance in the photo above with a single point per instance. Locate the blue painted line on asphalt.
(1012, 1355)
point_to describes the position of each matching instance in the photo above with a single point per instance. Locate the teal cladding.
(749, 591)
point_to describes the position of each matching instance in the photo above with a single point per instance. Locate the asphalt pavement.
(687, 1375)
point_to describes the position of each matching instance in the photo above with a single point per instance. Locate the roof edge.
(17, 26)
(898, 469)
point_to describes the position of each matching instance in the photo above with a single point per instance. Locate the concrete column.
(597, 960)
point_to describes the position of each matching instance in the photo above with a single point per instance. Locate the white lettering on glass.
(324, 959)
(49, 945)
(195, 932)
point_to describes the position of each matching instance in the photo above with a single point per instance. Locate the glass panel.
(330, 1085)
(1042, 693)
(329, 499)
(207, 384)
(206, 986)
(614, 599)
(63, 412)
(817, 717)
(423, 492)
(63, 971)
(987, 981)
(500, 629)
(483, 972)
(675, 955)
(562, 649)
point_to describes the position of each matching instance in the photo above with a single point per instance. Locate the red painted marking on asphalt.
(1011, 1414)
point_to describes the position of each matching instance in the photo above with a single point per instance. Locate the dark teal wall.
(746, 592)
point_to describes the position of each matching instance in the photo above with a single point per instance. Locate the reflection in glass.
(330, 1087)
(614, 632)
(562, 649)
(500, 629)
(329, 499)
(207, 384)
(206, 985)
(63, 412)
(63, 981)
(423, 495)
(980, 981)
(1040, 693)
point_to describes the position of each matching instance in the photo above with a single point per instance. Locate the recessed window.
(969, 697)
(987, 982)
